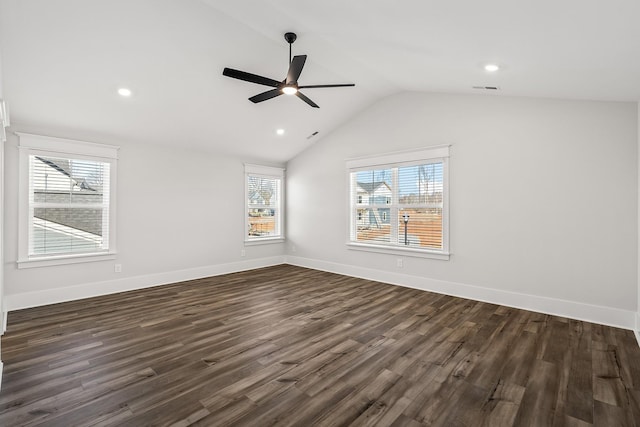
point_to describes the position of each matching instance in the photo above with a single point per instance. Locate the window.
(264, 197)
(66, 201)
(406, 203)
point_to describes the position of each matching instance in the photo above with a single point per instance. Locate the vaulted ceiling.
(63, 61)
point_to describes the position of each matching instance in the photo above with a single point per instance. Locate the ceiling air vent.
(486, 87)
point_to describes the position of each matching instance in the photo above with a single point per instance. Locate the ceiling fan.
(288, 86)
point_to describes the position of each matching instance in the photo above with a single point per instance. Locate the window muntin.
(401, 205)
(264, 196)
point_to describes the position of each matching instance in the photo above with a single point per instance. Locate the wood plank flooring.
(290, 346)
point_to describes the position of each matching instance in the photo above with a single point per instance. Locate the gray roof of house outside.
(371, 187)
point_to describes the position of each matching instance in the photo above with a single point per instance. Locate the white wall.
(543, 200)
(180, 215)
(2, 309)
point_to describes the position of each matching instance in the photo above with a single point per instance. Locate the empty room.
(303, 213)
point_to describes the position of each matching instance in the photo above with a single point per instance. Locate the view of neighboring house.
(67, 205)
(262, 195)
(420, 201)
(373, 193)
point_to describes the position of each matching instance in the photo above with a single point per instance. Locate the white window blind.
(264, 196)
(68, 206)
(400, 201)
(67, 201)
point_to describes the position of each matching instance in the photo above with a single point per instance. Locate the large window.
(66, 200)
(399, 203)
(263, 209)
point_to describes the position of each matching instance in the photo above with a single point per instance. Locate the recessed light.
(123, 91)
(492, 68)
(280, 131)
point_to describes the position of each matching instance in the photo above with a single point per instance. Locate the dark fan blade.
(265, 95)
(307, 100)
(248, 77)
(316, 86)
(295, 68)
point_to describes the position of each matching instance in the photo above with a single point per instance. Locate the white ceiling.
(63, 60)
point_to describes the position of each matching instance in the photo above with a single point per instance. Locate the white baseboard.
(71, 293)
(625, 319)
(1, 369)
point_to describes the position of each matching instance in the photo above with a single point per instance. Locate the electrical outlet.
(117, 268)
(243, 252)
(399, 262)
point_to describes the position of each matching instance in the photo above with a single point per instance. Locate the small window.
(408, 203)
(264, 197)
(67, 202)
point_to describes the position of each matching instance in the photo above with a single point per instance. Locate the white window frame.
(271, 173)
(39, 145)
(438, 153)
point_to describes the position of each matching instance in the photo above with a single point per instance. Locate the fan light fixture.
(289, 90)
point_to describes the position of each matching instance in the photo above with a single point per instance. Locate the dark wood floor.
(291, 346)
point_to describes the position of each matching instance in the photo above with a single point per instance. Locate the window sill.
(264, 241)
(397, 250)
(65, 259)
